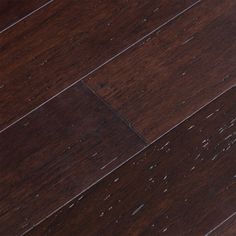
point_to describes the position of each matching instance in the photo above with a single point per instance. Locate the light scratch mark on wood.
(116, 180)
(191, 127)
(165, 145)
(210, 115)
(137, 209)
(102, 168)
(188, 40)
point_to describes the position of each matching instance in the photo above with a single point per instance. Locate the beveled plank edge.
(105, 63)
(139, 143)
(130, 158)
(26, 16)
(217, 227)
(117, 114)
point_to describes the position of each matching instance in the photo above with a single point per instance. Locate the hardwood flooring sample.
(174, 72)
(66, 40)
(182, 184)
(55, 154)
(12, 11)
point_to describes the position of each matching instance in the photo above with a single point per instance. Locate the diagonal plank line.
(26, 16)
(220, 224)
(103, 64)
(116, 113)
(122, 164)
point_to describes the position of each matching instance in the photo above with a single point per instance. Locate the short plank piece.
(183, 184)
(174, 72)
(65, 41)
(55, 154)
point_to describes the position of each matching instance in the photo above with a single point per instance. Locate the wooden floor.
(118, 117)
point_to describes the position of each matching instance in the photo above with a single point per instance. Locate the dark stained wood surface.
(55, 154)
(12, 11)
(145, 67)
(174, 72)
(183, 184)
(226, 228)
(58, 45)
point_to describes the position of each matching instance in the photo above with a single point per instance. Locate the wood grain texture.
(12, 11)
(60, 44)
(227, 227)
(55, 154)
(183, 184)
(174, 72)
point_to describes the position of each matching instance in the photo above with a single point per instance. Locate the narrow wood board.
(175, 71)
(183, 184)
(65, 41)
(55, 154)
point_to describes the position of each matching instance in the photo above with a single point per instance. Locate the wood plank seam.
(220, 224)
(186, 197)
(105, 63)
(120, 166)
(26, 16)
(116, 113)
(91, 141)
(159, 82)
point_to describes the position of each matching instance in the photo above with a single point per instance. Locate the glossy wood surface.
(12, 11)
(63, 42)
(85, 86)
(174, 72)
(183, 184)
(55, 154)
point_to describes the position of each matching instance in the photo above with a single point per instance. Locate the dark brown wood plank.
(62, 43)
(55, 154)
(227, 227)
(183, 184)
(174, 72)
(12, 11)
